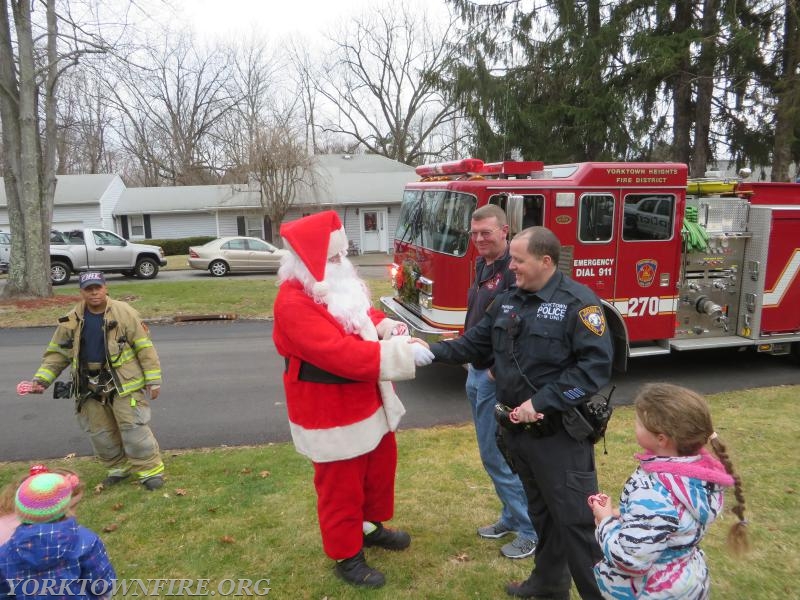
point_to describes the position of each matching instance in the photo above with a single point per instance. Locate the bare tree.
(170, 111)
(382, 83)
(282, 166)
(83, 125)
(305, 76)
(253, 80)
(32, 59)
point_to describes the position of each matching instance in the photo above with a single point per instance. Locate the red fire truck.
(622, 231)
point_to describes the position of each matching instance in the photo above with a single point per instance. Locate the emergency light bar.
(475, 166)
(456, 167)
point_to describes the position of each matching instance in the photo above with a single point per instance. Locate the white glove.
(422, 356)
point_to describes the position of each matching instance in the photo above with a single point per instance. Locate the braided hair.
(684, 416)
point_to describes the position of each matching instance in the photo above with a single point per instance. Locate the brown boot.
(355, 570)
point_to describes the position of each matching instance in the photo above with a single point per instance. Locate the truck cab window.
(438, 220)
(596, 220)
(532, 208)
(648, 217)
(105, 238)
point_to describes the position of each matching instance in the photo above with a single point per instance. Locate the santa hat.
(43, 498)
(315, 239)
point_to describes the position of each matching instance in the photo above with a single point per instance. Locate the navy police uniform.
(552, 346)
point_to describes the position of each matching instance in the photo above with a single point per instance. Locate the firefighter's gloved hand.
(422, 356)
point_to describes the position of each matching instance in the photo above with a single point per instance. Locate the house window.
(137, 225)
(253, 227)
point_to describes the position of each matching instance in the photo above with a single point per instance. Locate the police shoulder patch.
(594, 320)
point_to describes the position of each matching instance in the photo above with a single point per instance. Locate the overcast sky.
(279, 18)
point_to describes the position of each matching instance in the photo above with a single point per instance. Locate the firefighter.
(115, 374)
(552, 351)
(489, 231)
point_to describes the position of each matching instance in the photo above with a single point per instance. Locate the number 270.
(645, 305)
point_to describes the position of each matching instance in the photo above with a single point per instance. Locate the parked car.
(5, 251)
(100, 250)
(236, 254)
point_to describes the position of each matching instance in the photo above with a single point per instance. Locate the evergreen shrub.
(180, 245)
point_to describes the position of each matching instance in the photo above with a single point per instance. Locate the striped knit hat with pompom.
(43, 498)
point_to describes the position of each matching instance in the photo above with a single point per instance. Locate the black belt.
(314, 374)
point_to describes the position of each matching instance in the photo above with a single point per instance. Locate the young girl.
(49, 548)
(651, 545)
(8, 516)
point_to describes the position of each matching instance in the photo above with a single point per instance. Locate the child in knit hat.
(49, 553)
(8, 516)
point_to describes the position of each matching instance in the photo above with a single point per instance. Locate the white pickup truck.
(100, 250)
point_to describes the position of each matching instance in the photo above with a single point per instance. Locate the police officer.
(115, 373)
(552, 351)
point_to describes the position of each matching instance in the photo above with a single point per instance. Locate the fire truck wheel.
(796, 352)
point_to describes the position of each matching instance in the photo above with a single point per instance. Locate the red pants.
(352, 491)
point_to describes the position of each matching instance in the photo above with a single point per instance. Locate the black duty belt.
(314, 374)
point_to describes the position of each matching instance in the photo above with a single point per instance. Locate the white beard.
(348, 296)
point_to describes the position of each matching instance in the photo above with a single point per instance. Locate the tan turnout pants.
(121, 436)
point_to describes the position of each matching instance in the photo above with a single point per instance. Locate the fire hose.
(694, 234)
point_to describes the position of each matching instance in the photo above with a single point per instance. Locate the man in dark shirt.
(552, 351)
(489, 232)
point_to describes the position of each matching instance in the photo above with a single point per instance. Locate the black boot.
(355, 570)
(390, 539)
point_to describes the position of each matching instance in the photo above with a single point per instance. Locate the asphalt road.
(223, 387)
(369, 271)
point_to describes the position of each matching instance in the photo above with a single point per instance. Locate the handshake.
(422, 355)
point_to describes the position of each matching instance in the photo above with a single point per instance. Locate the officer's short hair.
(488, 211)
(541, 242)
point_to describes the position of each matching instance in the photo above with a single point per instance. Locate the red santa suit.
(342, 408)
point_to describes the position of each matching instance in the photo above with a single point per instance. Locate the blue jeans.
(481, 396)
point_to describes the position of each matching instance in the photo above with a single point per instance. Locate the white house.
(366, 191)
(80, 201)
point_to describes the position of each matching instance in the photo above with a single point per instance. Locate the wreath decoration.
(407, 283)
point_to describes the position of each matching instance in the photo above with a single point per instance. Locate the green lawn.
(250, 512)
(244, 298)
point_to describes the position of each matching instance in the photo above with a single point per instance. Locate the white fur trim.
(397, 359)
(320, 289)
(337, 242)
(340, 443)
(391, 405)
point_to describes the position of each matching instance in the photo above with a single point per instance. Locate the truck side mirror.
(514, 212)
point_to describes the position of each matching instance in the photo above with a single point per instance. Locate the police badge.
(593, 318)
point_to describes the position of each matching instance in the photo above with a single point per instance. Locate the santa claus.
(341, 355)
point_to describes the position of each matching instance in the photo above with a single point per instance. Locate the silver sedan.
(235, 254)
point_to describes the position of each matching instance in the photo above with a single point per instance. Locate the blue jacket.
(55, 560)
